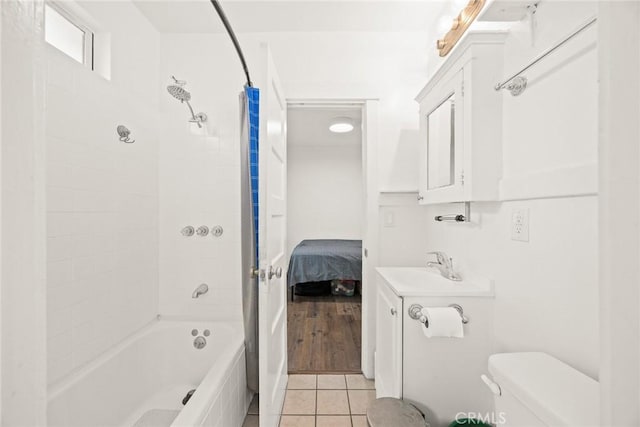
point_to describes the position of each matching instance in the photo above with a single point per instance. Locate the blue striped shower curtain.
(250, 131)
(253, 101)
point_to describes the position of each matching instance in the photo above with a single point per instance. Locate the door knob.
(277, 272)
(255, 273)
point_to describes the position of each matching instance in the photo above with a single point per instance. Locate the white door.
(272, 226)
(370, 238)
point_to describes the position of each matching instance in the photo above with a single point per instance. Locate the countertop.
(423, 281)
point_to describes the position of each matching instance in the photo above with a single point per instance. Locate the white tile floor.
(323, 401)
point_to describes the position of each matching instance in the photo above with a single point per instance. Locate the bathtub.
(142, 381)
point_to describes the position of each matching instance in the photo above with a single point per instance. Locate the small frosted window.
(60, 32)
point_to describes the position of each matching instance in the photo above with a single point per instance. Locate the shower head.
(179, 93)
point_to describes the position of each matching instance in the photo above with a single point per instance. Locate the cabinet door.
(388, 362)
(442, 143)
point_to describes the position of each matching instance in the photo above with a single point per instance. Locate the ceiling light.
(341, 125)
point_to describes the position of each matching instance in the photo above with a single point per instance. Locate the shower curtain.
(250, 103)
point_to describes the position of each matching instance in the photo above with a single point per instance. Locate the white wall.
(390, 67)
(23, 309)
(324, 193)
(619, 184)
(102, 194)
(546, 289)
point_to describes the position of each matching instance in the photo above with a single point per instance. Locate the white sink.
(423, 281)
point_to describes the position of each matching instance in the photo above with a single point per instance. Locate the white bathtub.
(152, 371)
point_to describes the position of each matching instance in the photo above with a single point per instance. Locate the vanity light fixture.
(459, 26)
(341, 125)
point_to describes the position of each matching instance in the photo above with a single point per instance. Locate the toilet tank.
(539, 390)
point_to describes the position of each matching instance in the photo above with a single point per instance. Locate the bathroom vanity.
(440, 376)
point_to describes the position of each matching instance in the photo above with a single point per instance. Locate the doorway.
(325, 230)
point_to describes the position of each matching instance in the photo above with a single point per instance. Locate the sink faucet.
(445, 265)
(202, 289)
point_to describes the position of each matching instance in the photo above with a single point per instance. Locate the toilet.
(536, 389)
(530, 390)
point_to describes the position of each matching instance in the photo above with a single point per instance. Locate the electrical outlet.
(520, 225)
(389, 219)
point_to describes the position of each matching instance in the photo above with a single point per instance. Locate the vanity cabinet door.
(388, 359)
(442, 143)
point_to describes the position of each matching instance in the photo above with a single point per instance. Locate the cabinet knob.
(393, 311)
(420, 198)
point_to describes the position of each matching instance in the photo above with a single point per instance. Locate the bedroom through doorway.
(325, 228)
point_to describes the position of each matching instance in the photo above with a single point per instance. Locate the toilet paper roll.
(443, 322)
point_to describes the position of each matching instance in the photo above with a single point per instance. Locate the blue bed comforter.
(325, 259)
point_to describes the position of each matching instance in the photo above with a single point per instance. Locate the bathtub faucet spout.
(202, 289)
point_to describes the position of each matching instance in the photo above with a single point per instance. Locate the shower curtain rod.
(227, 26)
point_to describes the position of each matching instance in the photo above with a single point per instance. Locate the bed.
(325, 259)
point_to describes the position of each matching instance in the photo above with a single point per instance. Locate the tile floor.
(322, 401)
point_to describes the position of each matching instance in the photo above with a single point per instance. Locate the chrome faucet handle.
(445, 265)
(440, 256)
(217, 231)
(202, 231)
(188, 231)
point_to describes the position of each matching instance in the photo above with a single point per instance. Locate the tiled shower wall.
(199, 181)
(102, 194)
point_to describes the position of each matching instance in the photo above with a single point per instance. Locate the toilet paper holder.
(415, 312)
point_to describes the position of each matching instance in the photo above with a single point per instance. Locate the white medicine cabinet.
(461, 124)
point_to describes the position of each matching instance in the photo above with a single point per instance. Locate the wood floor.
(324, 334)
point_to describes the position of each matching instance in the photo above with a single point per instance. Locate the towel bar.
(517, 88)
(457, 217)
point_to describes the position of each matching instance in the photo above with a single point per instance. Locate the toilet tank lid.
(554, 391)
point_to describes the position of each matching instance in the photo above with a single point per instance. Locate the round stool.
(390, 412)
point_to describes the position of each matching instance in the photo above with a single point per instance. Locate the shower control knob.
(217, 231)
(202, 231)
(187, 231)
